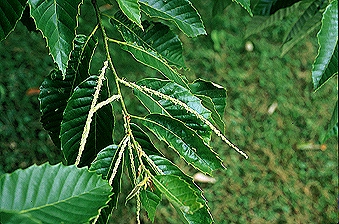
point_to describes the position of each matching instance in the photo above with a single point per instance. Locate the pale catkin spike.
(122, 147)
(91, 112)
(132, 162)
(138, 208)
(105, 102)
(187, 108)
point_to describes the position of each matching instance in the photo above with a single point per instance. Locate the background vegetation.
(289, 178)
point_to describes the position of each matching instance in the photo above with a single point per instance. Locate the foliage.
(74, 102)
(303, 17)
(79, 109)
(49, 194)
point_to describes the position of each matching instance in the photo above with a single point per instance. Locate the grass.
(289, 178)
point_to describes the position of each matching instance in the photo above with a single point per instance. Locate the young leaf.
(180, 12)
(57, 20)
(56, 88)
(74, 120)
(11, 13)
(131, 9)
(184, 141)
(156, 104)
(155, 36)
(213, 97)
(326, 63)
(103, 165)
(52, 194)
(178, 192)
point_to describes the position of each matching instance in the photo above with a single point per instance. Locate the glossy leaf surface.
(152, 59)
(52, 194)
(57, 20)
(155, 36)
(131, 9)
(103, 165)
(74, 119)
(56, 88)
(11, 11)
(213, 97)
(326, 63)
(178, 192)
(184, 141)
(163, 106)
(180, 12)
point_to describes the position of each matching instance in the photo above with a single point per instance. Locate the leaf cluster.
(80, 111)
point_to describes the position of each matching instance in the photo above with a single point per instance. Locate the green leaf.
(263, 7)
(144, 141)
(152, 59)
(74, 119)
(166, 167)
(332, 129)
(281, 4)
(15, 217)
(307, 29)
(155, 36)
(131, 9)
(245, 4)
(308, 21)
(200, 216)
(53, 194)
(56, 88)
(103, 165)
(178, 192)
(57, 20)
(164, 106)
(184, 141)
(10, 12)
(149, 201)
(259, 23)
(180, 12)
(308, 17)
(326, 63)
(213, 97)
(269, 7)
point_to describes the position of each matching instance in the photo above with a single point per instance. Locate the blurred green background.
(272, 114)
